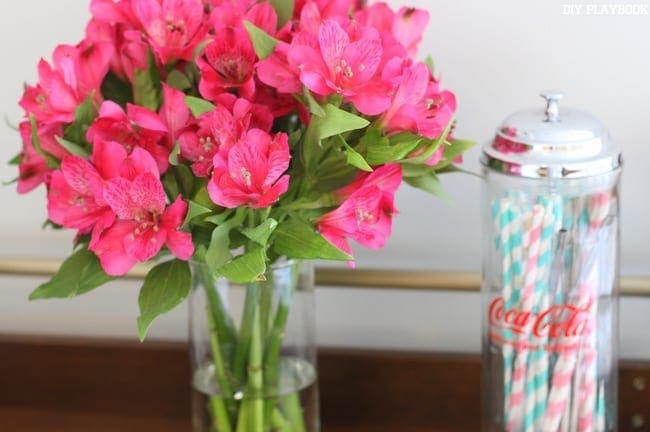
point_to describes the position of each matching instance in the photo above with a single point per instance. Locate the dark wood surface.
(51, 385)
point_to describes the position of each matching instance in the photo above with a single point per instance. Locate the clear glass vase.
(253, 352)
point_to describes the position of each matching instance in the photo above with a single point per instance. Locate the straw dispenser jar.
(550, 271)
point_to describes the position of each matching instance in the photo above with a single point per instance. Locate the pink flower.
(75, 193)
(77, 73)
(228, 63)
(33, 168)
(137, 127)
(335, 63)
(366, 212)
(218, 130)
(129, 55)
(406, 26)
(229, 60)
(252, 171)
(276, 71)
(418, 105)
(173, 28)
(328, 8)
(144, 224)
(174, 113)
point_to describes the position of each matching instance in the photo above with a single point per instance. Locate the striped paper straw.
(538, 388)
(598, 210)
(509, 228)
(515, 403)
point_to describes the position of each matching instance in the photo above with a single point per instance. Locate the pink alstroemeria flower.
(129, 55)
(229, 60)
(407, 25)
(418, 104)
(174, 113)
(251, 173)
(77, 73)
(33, 169)
(144, 224)
(327, 8)
(336, 63)
(219, 129)
(366, 213)
(137, 127)
(75, 193)
(173, 28)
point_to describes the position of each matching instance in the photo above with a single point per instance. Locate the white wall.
(496, 56)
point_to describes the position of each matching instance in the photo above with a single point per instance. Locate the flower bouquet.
(223, 141)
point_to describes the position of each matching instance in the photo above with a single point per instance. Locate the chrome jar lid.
(552, 142)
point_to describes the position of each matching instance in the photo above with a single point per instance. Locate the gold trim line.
(341, 277)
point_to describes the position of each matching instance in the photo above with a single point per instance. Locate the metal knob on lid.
(552, 142)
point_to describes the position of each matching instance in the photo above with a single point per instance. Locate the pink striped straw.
(515, 406)
(598, 210)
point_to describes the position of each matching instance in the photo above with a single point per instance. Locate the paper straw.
(509, 222)
(539, 362)
(532, 242)
(598, 210)
(601, 422)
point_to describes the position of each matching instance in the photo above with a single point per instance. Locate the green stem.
(245, 332)
(279, 423)
(292, 407)
(276, 339)
(256, 376)
(220, 417)
(221, 375)
(222, 407)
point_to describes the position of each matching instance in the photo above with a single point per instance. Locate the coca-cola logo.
(559, 323)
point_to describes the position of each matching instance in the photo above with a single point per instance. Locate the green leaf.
(312, 103)
(409, 170)
(178, 80)
(263, 43)
(198, 52)
(354, 158)
(432, 147)
(311, 202)
(147, 86)
(249, 267)
(198, 106)
(173, 155)
(16, 160)
(381, 150)
(78, 274)
(10, 182)
(116, 90)
(194, 210)
(165, 287)
(457, 147)
(10, 125)
(337, 121)
(218, 252)
(52, 162)
(73, 148)
(284, 9)
(428, 182)
(171, 185)
(83, 117)
(185, 179)
(297, 239)
(261, 233)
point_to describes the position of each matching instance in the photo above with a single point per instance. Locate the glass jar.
(253, 352)
(550, 272)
